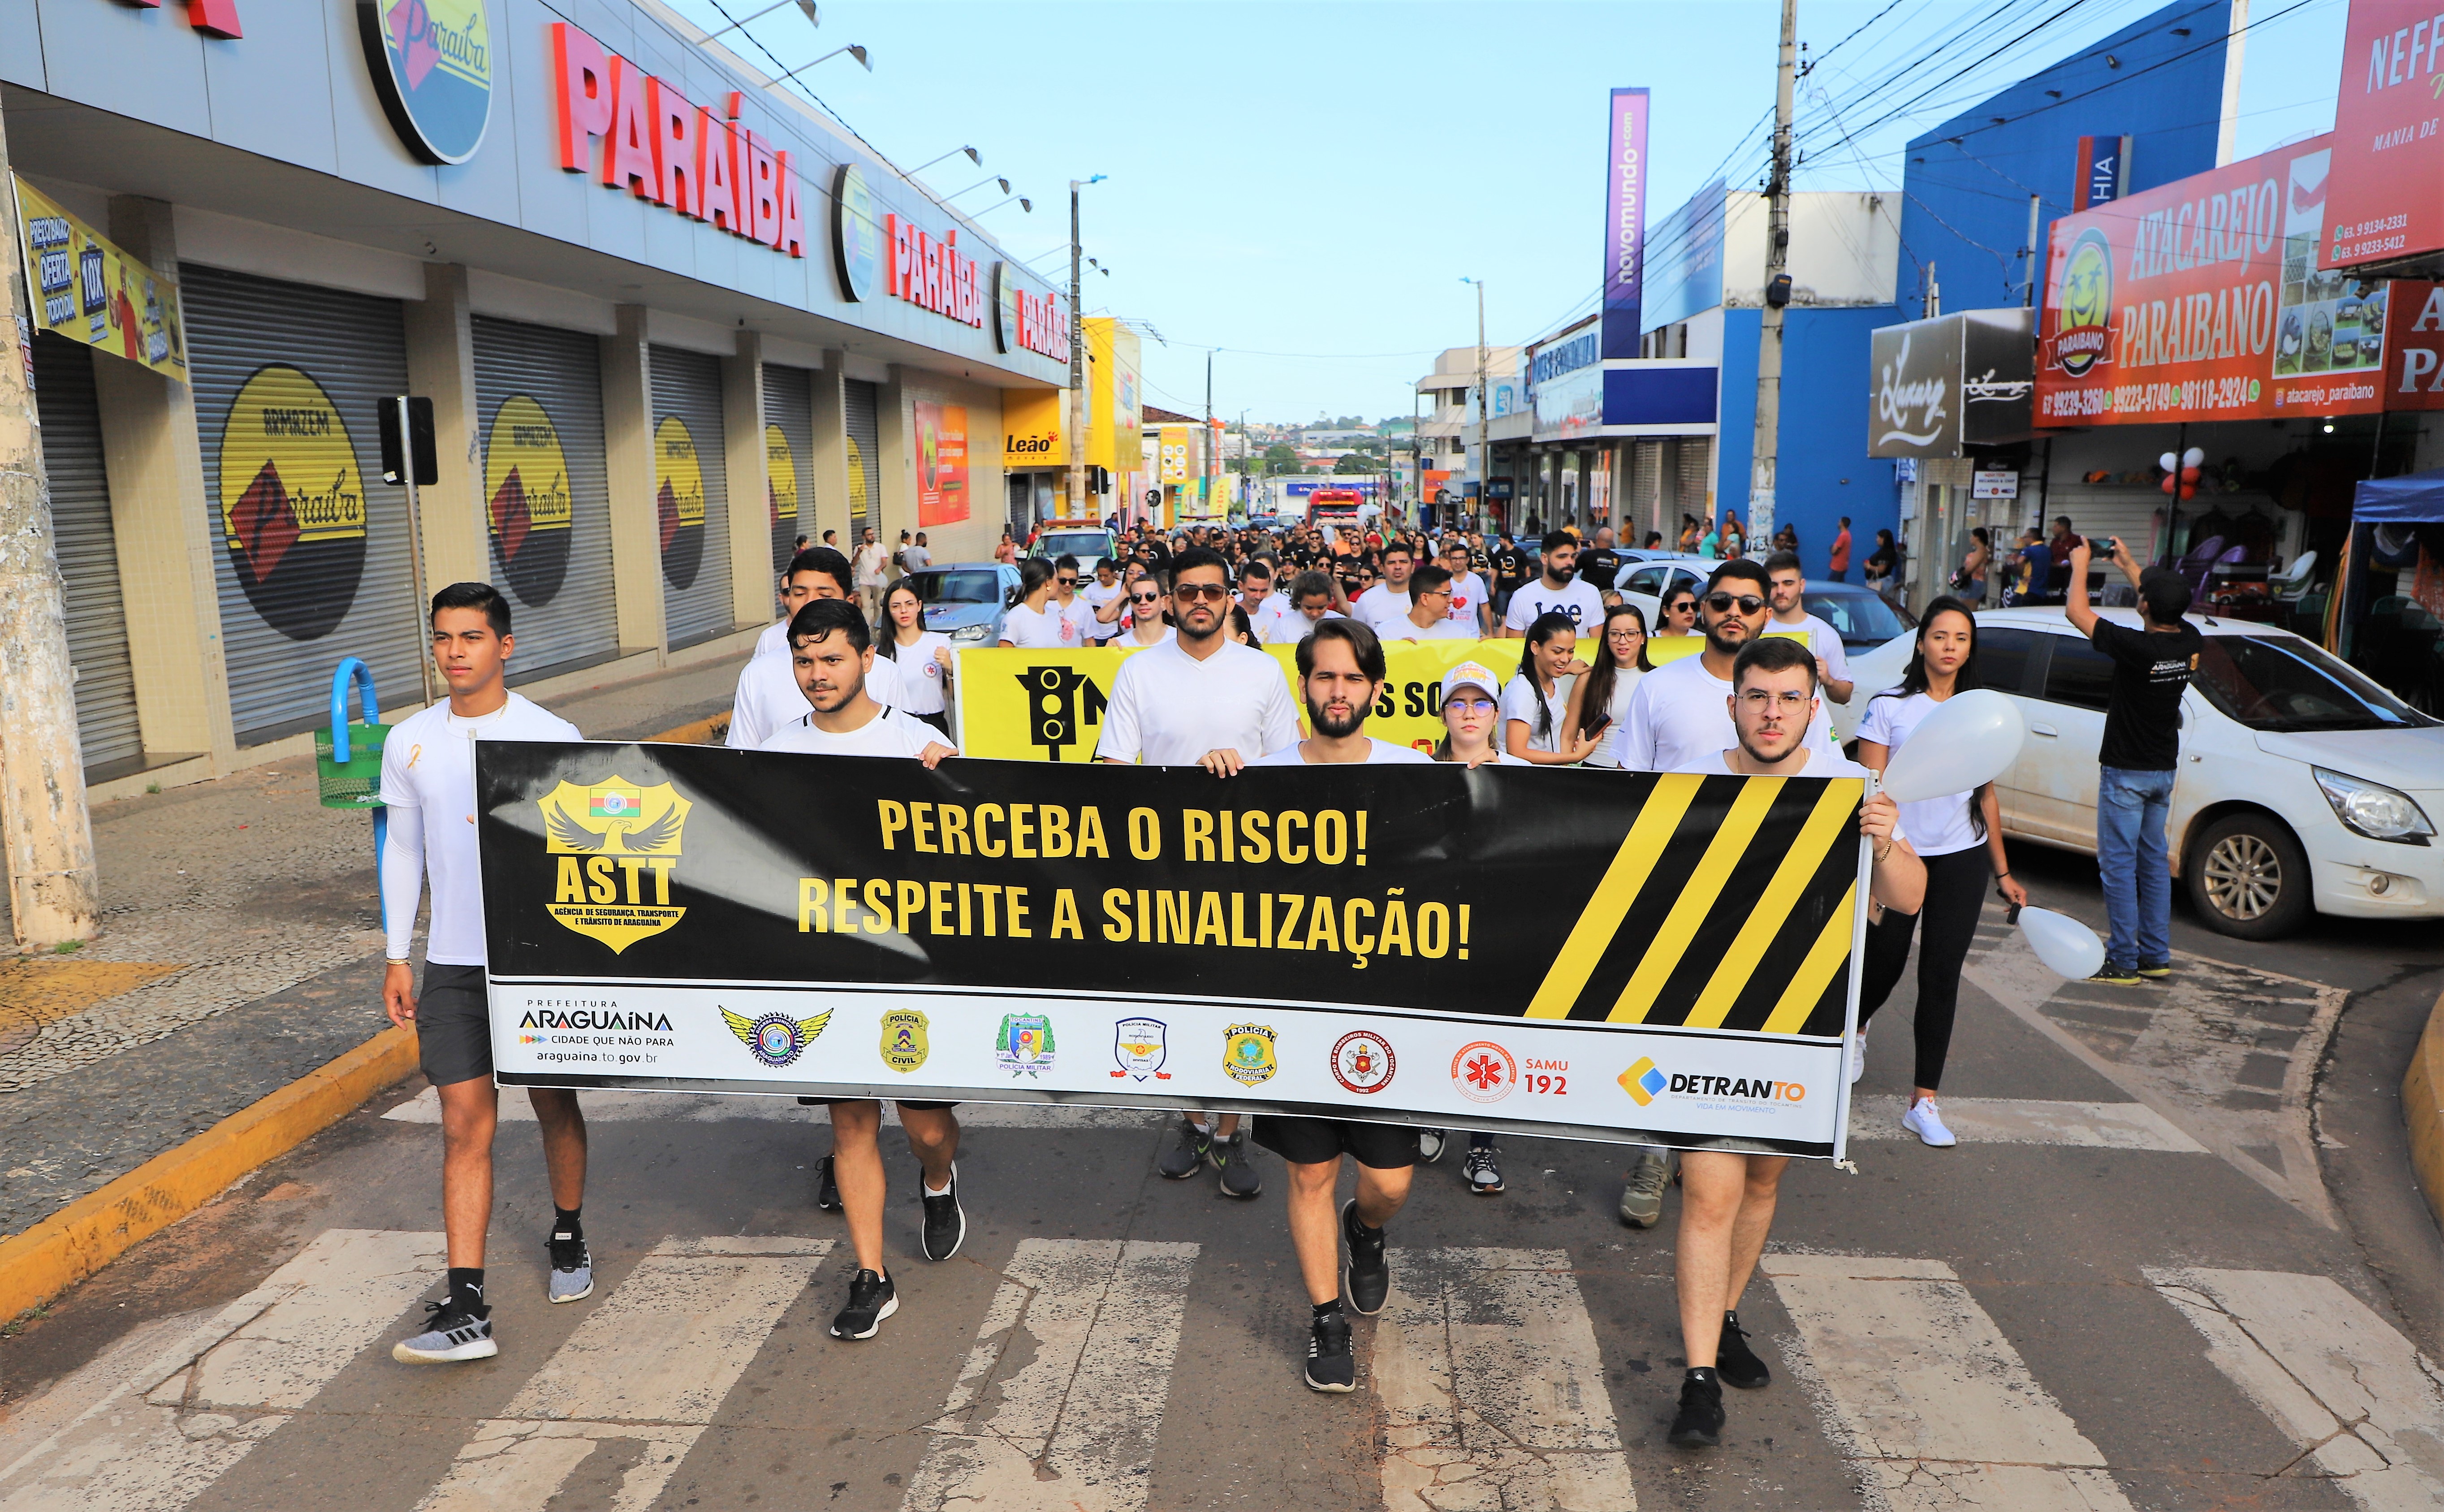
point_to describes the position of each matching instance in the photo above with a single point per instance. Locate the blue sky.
(1304, 186)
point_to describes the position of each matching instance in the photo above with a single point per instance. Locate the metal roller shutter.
(105, 683)
(690, 495)
(790, 408)
(547, 491)
(863, 404)
(1697, 468)
(1646, 511)
(313, 561)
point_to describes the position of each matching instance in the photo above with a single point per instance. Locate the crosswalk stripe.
(1492, 1387)
(171, 1428)
(2033, 1121)
(1066, 1416)
(1926, 1395)
(2344, 1384)
(649, 1366)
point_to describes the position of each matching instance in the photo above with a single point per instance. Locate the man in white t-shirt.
(1200, 699)
(1727, 1207)
(428, 784)
(831, 652)
(1387, 602)
(767, 696)
(1310, 599)
(1557, 590)
(1429, 617)
(1471, 602)
(1265, 607)
(1084, 617)
(1678, 714)
(871, 561)
(1789, 585)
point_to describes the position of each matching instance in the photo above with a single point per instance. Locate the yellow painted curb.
(2422, 1109)
(696, 732)
(97, 1228)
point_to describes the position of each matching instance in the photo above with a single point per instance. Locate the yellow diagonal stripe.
(1822, 831)
(1631, 866)
(1698, 896)
(1807, 984)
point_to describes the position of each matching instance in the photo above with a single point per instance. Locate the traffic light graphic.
(1056, 713)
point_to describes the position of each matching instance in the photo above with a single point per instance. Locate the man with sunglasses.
(1200, 699)
(1679, 713)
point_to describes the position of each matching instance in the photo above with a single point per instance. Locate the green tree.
(1280, 457)
(1355, 461)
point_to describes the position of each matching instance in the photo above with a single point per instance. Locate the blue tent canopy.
(2415, 498)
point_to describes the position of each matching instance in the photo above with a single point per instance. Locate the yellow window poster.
(87, 290)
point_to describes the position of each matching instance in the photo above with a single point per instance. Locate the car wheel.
(2249, 877)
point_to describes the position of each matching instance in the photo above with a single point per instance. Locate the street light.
(989, 178)
(806, 5)
(1484, 408)
(852, 50)
(1077, 359)
(1026, 207)
(974, 156)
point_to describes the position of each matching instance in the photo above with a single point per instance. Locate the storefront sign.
(659, 147)
(931, 275)
(1172, 465)
(526, 487)
(1684, 260)
(2203, 301)
(941, 463)
(2386, 199)
(1030, 422)
(214, 18)
(293, 503)
(1025, 320)
(1996, 485)
(1569, 403)
(1942, 385)
(679, 502)
(432, 65)
(1625, 223)
(1553, 359)
(87, 290)
(2104, 174)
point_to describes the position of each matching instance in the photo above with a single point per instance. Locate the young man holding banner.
(767, 696)
(1727, 1196)
(831, 653)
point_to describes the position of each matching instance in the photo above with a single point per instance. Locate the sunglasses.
(1145, 597)
(1208, 592)
(1749, 603)
(1066, 582)
(1686, 606)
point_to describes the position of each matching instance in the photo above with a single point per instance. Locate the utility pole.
(1484, 410)
(54, 889)
(1777, 290)
(2029, 259)
(1209, 453)
(1078, 505)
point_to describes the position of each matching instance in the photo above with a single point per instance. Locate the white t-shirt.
(1168, 709)
(1265, 618)
(1681, 713)
(870, 562)
(891, 732)
(1379, 607)
(1822, 639)
(1046, 629)
(918, 677)
(767, 696)
(1578, 599)
(1380, 753)
(1942, 824)
(428, 774)
(1290, 629)
(1094, 596)
(1624, 683)
(1468, 592)
(774, 641)
(1405, 629)
(1519, 701)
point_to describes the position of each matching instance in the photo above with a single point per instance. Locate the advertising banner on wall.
(1684, 259)
(1668, 960)
(1953, 382)
(1625, 223)
(2386, 201)
(86, 289)
(941, 462)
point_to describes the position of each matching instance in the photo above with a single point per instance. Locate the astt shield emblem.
(617, 845)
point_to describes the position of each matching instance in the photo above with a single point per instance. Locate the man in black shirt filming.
(2142, 744)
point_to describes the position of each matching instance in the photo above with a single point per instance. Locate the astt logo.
(1643, 1081)
(1056, 708)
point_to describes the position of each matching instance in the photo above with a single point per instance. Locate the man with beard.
(1557, 591)
(1680, 712)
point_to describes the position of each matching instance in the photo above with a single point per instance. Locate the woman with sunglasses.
(1600, 702)
(1536, 724)
(922, 655)
(1680, 612)
(1034, 620)
(1149, 616)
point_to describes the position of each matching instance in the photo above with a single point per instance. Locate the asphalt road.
(2174, 1262)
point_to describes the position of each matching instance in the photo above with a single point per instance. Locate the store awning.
(2415, 498)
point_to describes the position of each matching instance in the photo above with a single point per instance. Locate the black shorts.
(905, 1102)
(941, 721)
(453, 1027)
(1304, 1141)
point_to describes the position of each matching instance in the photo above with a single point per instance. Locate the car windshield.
(970, 586)
(1860, 618)
(1089, 546)
(2288, 685)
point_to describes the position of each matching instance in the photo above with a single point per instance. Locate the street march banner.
(1597, 956)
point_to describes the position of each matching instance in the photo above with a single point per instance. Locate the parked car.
(965, 600)
(1090, 543)
(1863, 619)
(2302, 786)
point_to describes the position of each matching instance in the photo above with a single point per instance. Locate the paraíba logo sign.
(293, 503)
(432, 64)
(526, 483)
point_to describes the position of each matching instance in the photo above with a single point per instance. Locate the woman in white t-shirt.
(1034, 621)
(1600, 700)
(921, 655)
(1960, 837)
(1536, 706)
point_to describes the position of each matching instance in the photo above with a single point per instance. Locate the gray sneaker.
(453, 1334)
(1641, 1201)
(1181, 1160)
(572, 1270)
(1233, 1157)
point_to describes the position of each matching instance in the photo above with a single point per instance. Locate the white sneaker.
(1923, 1121)
(1858, 1055)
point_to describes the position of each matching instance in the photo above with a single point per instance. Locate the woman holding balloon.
(1960, 837)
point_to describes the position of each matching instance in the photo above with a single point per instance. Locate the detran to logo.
(1643, 1081)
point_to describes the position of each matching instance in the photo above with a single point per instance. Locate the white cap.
(1472, 673)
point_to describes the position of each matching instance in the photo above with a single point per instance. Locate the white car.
(2302, 784)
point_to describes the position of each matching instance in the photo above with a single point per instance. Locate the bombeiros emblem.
(617, 844)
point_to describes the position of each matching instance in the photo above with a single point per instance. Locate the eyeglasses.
(1757, 700)
(1625, 633)
(1472, 706)
(1209, 592)
(1719, 602)
(1145, 597)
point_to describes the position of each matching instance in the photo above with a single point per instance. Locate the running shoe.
(827, 1188)
(1484, 1176)
(1641, 1200)
(572, 1270)
(2113, 974)
(871, 1298)
(1858, 1055)
(946, 1221)
(1923, 1121)
(1330, 1364)
(1430, 1144)
(1735, 1361)
(1236, 1162)
(1366, 1280)
(1699, 1421)
(452, 1333)
(1181, 1160)
(2155, 969)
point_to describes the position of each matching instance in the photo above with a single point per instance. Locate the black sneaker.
(452, 1333)
(827, 1188)
(2155, 970)
(570, 1278)
(1330, 1365)
(2112, 974)
(1367, 1278)
(1735, 1361)
(1183, 1159)
(871, 1298)
(1234, 1160)
(946, 1221)
(1699, 1421)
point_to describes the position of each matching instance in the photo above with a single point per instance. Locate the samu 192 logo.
(617, 844)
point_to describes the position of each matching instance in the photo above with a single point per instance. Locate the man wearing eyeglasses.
(1429, 617)
(1679, 713)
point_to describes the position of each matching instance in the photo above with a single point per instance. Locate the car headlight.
(2372, 809)
(967, 634)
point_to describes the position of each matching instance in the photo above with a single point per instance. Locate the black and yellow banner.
(1618, 956)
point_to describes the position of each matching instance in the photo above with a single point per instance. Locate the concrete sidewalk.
(241, 949)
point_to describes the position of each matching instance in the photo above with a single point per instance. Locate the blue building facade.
(1822, 468)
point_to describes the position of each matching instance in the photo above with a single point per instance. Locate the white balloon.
(2194, 456)
(1971, 738)
(2165, 461)
(2070, 949)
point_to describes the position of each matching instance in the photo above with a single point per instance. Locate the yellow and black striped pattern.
(1727, 906)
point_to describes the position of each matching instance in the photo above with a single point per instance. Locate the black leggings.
(1956, 895)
